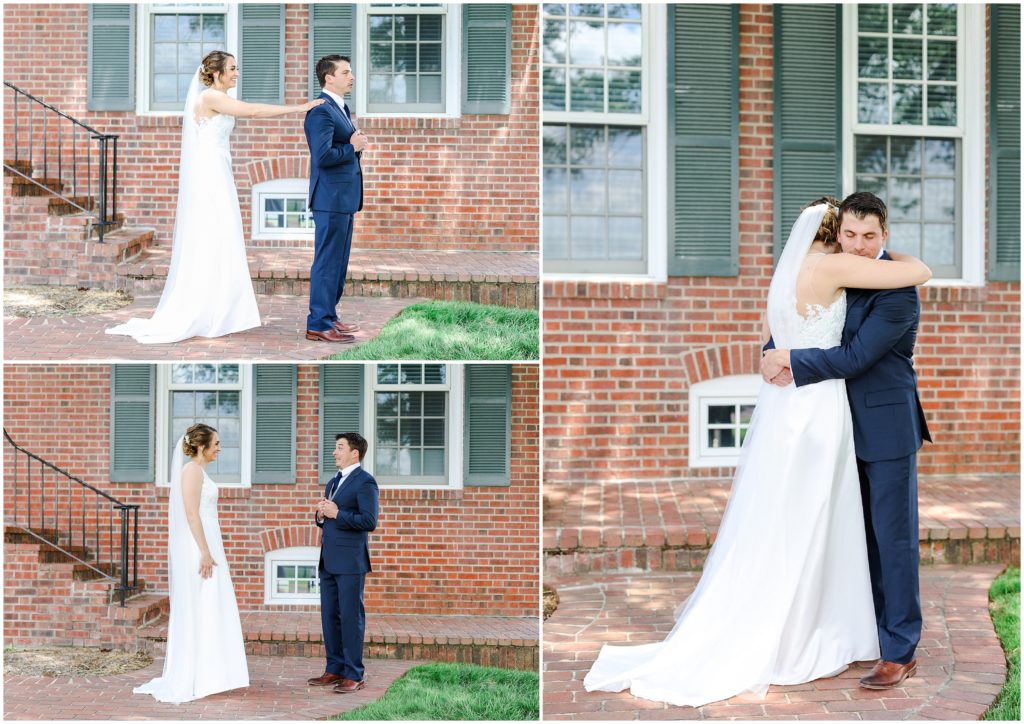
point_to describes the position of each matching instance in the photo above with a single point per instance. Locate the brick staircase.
(50, 241)
(50, 598)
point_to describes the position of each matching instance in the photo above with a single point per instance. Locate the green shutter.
(111, 57)
(132, 434)
(488, 428)
(1004, 145)
(703, 140)
(332, 30)
(341, 409)
(486, 58)
(273, 409)
(261, 53)
(808, 110)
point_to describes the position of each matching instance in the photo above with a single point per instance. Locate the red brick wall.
(467, 183)
(473, 551)
(619, 358)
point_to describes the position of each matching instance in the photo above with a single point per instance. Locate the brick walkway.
(282, 336)
(670, 524)
(277, 690)
(961, 665)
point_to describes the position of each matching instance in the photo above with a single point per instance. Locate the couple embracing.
(205, 651)
(816, 561)
(208, 292)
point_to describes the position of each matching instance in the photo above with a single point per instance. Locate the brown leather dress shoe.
(330, 335)
(326, 680)
(347, 686)
(344, 328)
(889, 675)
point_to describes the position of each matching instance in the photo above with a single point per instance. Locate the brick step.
(61, 207)
(24, 187)
(487, 641)
(81, 226)
(594, 527)
(22, 165)
(145, 609)
(15, 534)
(505, 279)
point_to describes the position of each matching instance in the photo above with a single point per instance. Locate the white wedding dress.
(205, 649)
(208, 292)
(785, 596)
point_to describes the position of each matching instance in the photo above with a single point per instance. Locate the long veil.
(175, 684)
(783, 318)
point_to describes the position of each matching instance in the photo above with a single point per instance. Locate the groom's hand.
(359, 141)
(775, 367)
(328, 509)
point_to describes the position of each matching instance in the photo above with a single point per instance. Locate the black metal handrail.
(25, 494)
(106, 163)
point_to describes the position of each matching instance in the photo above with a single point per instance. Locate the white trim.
(296, 555)
(143, 50)
(278, 188)
(654, 81)
(451, 71)
(454, 428)
(731, 389)
(970, 129)
(163, 454)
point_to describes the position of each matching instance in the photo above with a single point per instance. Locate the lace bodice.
(208, 497)
(215, 132)
(822, 326)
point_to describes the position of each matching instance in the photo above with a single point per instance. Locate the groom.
(876, 360)
(335, 195)
(347, 513)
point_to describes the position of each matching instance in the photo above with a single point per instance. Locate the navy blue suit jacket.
(335, 176)
(875, 359)
(345, 546)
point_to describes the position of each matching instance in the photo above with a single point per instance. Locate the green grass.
(1004, 597)
(455, 331)
(456, 692)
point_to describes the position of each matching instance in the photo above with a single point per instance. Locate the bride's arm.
(858, 272)
(223, 103)
(191, 489)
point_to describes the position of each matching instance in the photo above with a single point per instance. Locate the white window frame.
(451, 70)
(654, 121)
(288, 188)
(970, 130)
(454, 432)
(296, 555)
(728, 390)
(163, 411)
(143, 50)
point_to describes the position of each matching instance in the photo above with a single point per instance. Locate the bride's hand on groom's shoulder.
(312, 104)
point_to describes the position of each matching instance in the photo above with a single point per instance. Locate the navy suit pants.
(333, 239)
(344, 622)
(889, 494)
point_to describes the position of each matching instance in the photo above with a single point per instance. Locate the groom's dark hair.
(863, 204)
(355, 441)
(327, 64)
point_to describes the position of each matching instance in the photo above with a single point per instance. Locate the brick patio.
(282, 336)
(961, 665)
(670, 524)
(277, 691)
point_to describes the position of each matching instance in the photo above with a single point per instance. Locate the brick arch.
(268, 169)
(709, 363)
(273, 539)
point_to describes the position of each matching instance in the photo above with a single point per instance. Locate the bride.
(208, 292)
(785, 596)
(205, 651)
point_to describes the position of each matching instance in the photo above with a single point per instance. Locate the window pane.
(939, 199)
(872, 103)
(625, 192)
(411, 374)
(940, 243)
(907, 104)
(434, 404)
(554, 89)
(387, 404)
(939, 157)
(905, 238)
(387, 374)
(587, 146)
(746, 413)
(587, 187)
(387, 461)
(165, 88)
(905, 200)
(624, 10)
(228, 404)
(273, 204)
(942, 105)
(554, 41)
(906, 155)
(205, 373)
(941, 60)
(588, 237)
(190, 55)
(624, 91)
(298, 205)
(907, 58)
(430, 58)
(907, 18)
(554, 8)
(183, 404)
(942, 19)
(873, 18)
(387, 431)
(586, 90)
(433, 432)
(229, 461)
(206, 404)
(410, 432)
(433, 462)
(595, 10)
(721, 438)
(721, 414)
(556, 191)
(430, 27)
(556, 236)
(381, 28)
(625, 148)
(213, 29)
(435, 374)
(410, 403)
(165, 57)
(430, 89)
(871, 156)
(189, 28)
(625, 238)
(409, 462)
(873, 57)
(181, 373)
(405, 58)
(230, 431)
(165, 28)
(624, 44)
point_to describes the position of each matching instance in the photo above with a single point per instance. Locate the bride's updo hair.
(216, 61)
(828, 232)
(197, 436)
